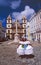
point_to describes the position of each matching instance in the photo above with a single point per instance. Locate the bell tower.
(9, 27)
(24, 20)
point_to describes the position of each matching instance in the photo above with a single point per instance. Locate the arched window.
(8, 20)
(8, 31)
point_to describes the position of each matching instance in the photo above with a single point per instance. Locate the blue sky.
(18, 8)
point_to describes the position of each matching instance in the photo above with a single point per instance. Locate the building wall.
(2, 31)
(10, 30)
(9, 27)
(7, 31)
(35, 26)
(38, 30)
(32, 28)
(8, 20)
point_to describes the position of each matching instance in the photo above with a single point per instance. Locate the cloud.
(28, 12)
(15, 4)
(15, 14)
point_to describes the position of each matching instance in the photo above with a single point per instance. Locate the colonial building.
(11, 27)
(2, 31)
(35, 26)
(32, 25)
(38, 26)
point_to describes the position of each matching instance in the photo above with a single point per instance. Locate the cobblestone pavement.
(8, 55)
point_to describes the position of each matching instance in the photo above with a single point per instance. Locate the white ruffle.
(28, 50)
(24, 42)
(20, 50)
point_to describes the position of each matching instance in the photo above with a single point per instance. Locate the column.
(16, 26)
(36, 37)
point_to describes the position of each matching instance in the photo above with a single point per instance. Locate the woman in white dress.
(24, 48)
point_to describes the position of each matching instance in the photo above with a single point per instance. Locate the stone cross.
(16, 26)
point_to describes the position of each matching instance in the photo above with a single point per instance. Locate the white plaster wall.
(9, 25)
(10, 21)
(33, 25)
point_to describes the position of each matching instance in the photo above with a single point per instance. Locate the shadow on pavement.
(0, 42)
(27, 56)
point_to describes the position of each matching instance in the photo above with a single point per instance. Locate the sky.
(18, 8)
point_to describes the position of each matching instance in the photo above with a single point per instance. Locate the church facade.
(11, 27)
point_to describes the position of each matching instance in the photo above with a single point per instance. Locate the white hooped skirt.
(25, 51)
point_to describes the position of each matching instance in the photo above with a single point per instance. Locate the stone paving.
(8, 55)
